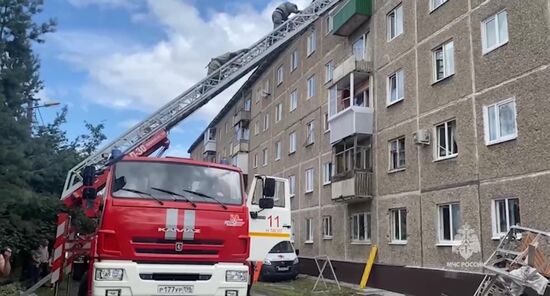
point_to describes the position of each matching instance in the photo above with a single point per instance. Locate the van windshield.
(282, 247)
(199, 184)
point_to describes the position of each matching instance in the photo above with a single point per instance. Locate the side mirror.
(297, 251)
(119, 183)
(266, 203)
(269, 187)
(89, 193)
(88, 175)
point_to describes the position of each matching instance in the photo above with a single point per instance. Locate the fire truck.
(174, 226)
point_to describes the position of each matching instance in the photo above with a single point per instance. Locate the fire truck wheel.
(83, 287)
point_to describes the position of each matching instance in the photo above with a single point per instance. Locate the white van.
(281, 263)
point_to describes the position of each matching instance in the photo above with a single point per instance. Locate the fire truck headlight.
(109, 274)
(236, 276)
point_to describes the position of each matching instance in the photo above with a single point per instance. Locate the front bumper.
(271, 272)
(133, 285)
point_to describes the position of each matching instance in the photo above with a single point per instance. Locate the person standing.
(44, 257)
(5, 266)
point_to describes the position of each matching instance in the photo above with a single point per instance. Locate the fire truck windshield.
(133, 179)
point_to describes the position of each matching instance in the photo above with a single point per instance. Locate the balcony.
(209, 146)
(240, 146)
(242, 116)
(351, 121)
(357, 186)
(353, 64)
(350, 16)
(240, 160)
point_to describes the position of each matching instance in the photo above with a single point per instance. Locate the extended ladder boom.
(201, 93)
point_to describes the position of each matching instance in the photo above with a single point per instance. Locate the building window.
(434, 4)
(449, 222)
(247, 104)
(292, 185)
(444, 61)
(280, 75)
(398, 225)
(500, 121)
(327, 173)
(494, 31)
(292, 143)
(309, 231)
(278, 112)
(256, 127)
(266, 122)
(255, 163)
(311, 43)
(327, 227)
(264, 157)
(278, 150)
(332, 101)
(310, 133)
(311, 87)
(397, 154)
(293, 100)
(294, 61)
(396, 87)
(226, 127)
(446, 140)
(360, 227)
(329, 22)
(358, 48)
(329, 71)
(211, 135)
(394, 26)
(505, 214)
(325, 122)
(309, 180)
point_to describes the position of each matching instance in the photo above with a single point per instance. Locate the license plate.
(175, 290)
(283, 268)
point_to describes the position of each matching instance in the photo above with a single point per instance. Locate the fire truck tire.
(83, 286)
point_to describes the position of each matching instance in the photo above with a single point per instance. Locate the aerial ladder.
(151, 134)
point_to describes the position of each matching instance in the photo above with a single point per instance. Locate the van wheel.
(83, 286)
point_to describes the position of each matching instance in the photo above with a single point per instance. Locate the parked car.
(281, 263)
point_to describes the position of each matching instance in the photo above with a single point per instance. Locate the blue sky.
(117, 61)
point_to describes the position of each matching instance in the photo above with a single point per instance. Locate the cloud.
(104, 3)
(177, 151)
(126, 74)
(128, 123)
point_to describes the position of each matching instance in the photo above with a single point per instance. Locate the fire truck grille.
(175, 277)
(174, 252)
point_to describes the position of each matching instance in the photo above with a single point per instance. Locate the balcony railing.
(210, 146)
(350, 16)
(352, 65)
(240, 146)
(242, 115)
(358, 186)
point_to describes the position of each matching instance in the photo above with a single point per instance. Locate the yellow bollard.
(368, 267)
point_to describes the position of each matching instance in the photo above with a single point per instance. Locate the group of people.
(37, 266)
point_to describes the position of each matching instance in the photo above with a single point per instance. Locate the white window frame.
(267, 87)
(440, 233)
(329, 71)
(329, 22)
(499, 138)
(264, 157)
(447, 60)
(495, 215)
(496, 17)
(449, 147)
(327, 227)
(434, 6)
(355, 236)
(326, 124)
(311, 43)
(309, 231)
(310, 132)
(397, 166)
(280, 75)
(399, 77)
(255, 162)
(278, 112)
(311, 87)
(294, 61)
(309, 180)
(396, 22)
(332, 98)
(292, 142)
(362, 55)
(247, 104)
(266, 122)
(256, 127)
(293, 104)
(278, 150)
(396, 237)
(327, 173)
(292, 185)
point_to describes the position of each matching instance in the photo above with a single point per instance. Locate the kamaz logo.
(179, 230)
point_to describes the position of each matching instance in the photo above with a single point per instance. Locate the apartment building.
(409, 125)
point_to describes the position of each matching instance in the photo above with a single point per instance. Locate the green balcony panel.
(350, 16)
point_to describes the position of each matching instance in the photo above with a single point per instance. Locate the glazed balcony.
(351, 16)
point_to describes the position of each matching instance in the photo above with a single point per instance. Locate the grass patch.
(300, 287)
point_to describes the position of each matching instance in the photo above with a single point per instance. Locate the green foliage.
(33, 161)
(10, 290)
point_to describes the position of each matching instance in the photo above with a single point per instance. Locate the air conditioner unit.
(422, 137)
